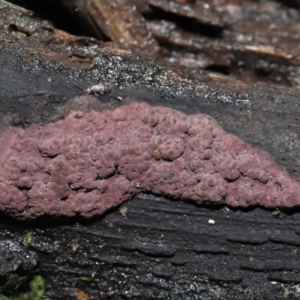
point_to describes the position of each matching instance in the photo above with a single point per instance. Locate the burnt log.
(149, 247)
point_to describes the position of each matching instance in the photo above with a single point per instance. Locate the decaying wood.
(252, 40)
(151, 247)
(119, 21)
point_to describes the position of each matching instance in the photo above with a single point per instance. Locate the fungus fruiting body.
(90, 162)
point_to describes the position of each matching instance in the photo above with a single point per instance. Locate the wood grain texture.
(150, 247)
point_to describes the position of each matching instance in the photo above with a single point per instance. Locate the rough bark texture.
(151, 247)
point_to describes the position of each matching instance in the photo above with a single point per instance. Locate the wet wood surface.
(152, 247)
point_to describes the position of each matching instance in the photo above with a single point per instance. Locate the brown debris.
(118, 20)
(253, 40)
(200, 12)
(122, 23)
(81, 295)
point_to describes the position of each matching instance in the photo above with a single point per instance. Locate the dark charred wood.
(159, 249)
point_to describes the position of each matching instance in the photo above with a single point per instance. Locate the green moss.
(28, 240)
(37, 290)
(286, 294)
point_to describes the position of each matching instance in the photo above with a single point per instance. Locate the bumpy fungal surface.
(90, 162)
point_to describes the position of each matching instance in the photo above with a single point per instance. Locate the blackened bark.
(150, 247)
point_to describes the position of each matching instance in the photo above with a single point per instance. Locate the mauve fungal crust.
(90, 162)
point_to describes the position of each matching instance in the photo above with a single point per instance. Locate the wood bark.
(152, 247)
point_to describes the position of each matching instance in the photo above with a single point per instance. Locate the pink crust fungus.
(90, 162)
